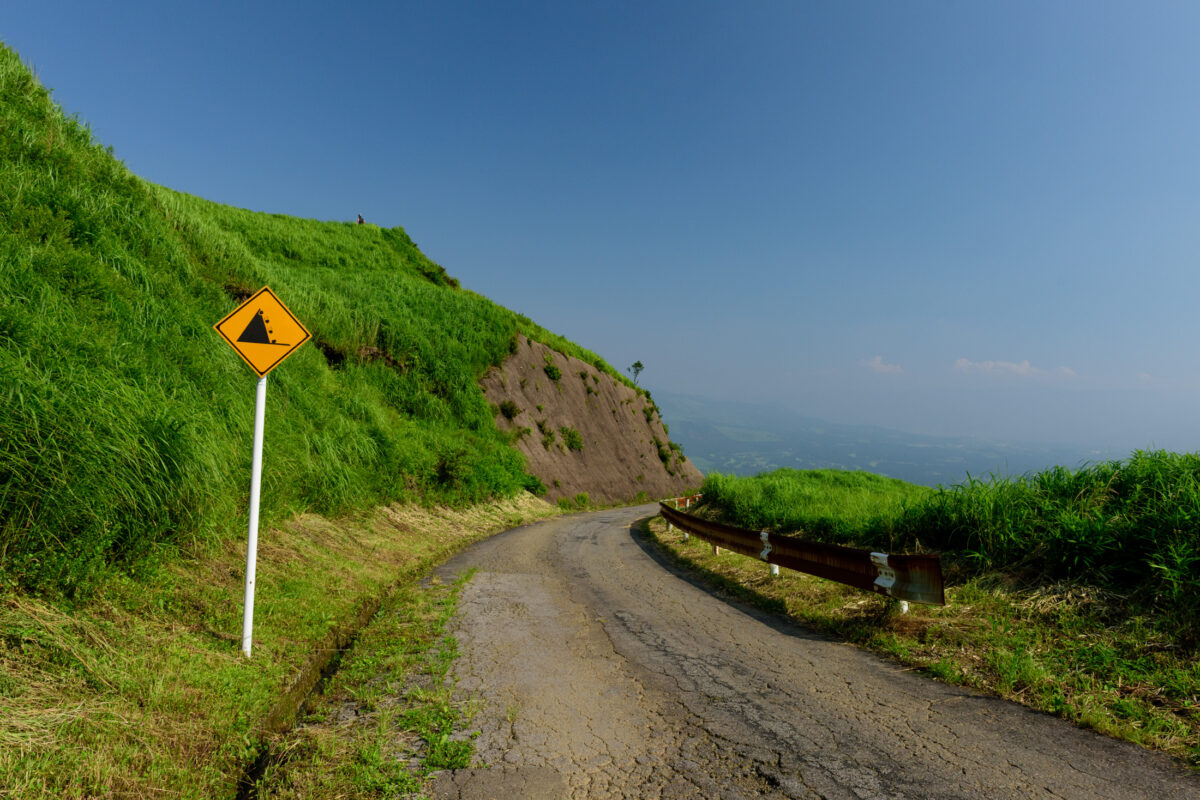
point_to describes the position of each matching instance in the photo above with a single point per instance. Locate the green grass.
(572, 438)
(1129, 526)
(831, 505)
(580, 502)
(126, 421)
(141, 690)
(387, 719)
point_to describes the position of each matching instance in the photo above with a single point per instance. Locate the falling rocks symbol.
(262, 321)
(256, 332)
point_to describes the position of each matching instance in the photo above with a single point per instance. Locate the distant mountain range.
(746, 439)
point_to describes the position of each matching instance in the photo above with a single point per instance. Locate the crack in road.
(602, 672)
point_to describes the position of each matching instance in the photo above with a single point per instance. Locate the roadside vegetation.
(387, 718)
(1071, 591)
(832, 505)
(1130, 526)
(141, 690)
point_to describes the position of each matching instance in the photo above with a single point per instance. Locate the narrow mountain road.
(601, 672)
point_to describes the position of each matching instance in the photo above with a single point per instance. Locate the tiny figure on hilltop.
(360, 219)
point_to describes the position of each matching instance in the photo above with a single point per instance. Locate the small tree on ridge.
(635, 369)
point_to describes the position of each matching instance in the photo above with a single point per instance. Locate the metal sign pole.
(260, 407)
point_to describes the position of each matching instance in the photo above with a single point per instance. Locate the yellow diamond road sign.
(263, 331)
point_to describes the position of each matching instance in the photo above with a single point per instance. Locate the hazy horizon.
(954, 220)
(741, 438)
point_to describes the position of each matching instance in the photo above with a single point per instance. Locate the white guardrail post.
(767, 551)
(887, 577)
(670, 527)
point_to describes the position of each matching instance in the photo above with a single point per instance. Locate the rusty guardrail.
(915, 578)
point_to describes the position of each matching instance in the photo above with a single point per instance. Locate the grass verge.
(1066, 648)
(387, 719)
(141, 690)
(1127, 526)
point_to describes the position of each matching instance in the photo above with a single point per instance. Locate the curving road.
(601, 672)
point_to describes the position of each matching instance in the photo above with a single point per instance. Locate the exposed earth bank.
(546, 399)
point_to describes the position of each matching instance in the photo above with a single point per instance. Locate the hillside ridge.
(127, 421)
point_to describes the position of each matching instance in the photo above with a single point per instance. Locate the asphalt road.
(599, 672)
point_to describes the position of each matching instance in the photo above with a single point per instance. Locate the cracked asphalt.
(600, 672)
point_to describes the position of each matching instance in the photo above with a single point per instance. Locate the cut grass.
(1063, 648)
(141, 689)
(387, 719)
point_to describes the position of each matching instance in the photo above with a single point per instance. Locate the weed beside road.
(127, 422)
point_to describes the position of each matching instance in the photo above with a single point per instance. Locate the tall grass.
(1131, 526)
(833, 505)
(125, 421)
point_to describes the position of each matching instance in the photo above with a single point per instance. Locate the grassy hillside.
(126, 422)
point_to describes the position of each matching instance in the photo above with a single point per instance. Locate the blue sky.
(949, 218)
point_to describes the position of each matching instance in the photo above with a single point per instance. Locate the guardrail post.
(670, 527)
(766, 551)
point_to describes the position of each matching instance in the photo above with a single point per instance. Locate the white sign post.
(255, 330)
(260, 408)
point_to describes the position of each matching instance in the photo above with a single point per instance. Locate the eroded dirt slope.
(625, 447)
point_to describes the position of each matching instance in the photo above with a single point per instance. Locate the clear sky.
(944, 217)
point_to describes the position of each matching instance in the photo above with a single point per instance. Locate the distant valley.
(745, 439)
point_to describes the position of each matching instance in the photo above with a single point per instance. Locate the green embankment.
(833, 505)
(125, 421)
(125, 433)
(1131, 526)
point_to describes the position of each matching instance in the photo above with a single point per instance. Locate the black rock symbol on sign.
(256, 332)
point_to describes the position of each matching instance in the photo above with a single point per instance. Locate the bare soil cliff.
(583, 431)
